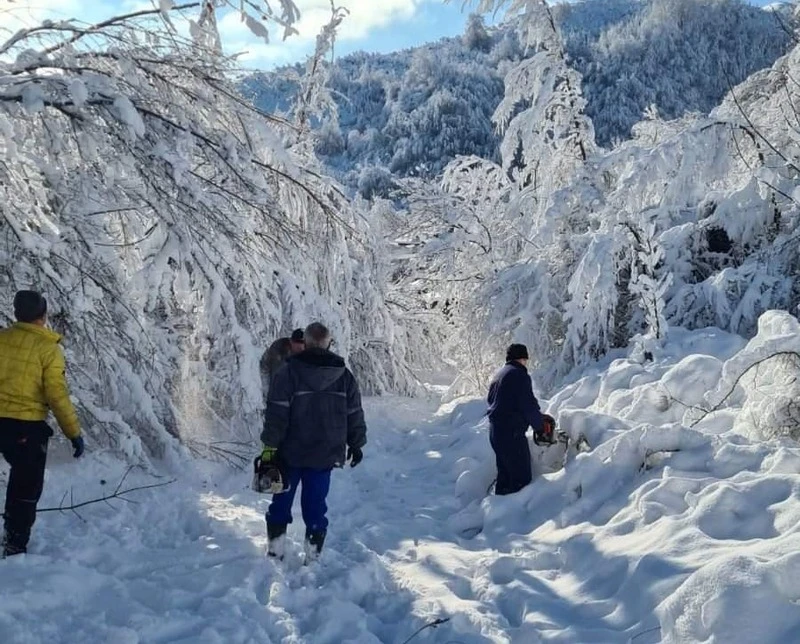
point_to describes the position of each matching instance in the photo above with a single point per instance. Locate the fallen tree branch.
(234, 458)
(735, 384)
(433, 624)
(649, 630)
(237, 454)
(118, 493)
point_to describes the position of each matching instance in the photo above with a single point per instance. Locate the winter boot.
(11, 545)
(276, 534)
(313, 545)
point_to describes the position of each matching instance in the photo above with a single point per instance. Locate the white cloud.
(364, 17)
(17, 14)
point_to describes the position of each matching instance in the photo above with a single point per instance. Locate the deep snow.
(631, 542)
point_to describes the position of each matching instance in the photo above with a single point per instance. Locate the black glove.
(78, 446)
(354, 455)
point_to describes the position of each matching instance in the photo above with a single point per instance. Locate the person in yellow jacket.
(32, 383)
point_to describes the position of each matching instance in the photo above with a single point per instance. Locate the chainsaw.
(267, 477)
(553, 447)
(549, 435)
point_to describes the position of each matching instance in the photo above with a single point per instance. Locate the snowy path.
(187, 564)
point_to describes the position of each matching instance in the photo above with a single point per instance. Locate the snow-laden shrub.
(764, 381)
(375, 181)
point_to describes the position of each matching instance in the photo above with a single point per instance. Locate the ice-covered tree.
(475, 34)
(517, 280)
(689, 224)
(172, 231)
(546, 134)
(648, 281)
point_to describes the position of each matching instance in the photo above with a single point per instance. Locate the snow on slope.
(630, 542)
(661, 533)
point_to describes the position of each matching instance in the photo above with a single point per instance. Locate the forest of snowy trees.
(175, 229)
(614, 183)
(577, 250)
(409, 113)
(178, 229)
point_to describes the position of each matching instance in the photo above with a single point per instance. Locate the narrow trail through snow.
(406, 546)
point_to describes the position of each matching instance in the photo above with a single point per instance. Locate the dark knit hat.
(516, 352)
(297, 335)
(29, 306)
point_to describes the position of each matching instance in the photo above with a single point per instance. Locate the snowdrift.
(680, 524)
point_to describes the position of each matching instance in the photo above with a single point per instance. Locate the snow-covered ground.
(677, 526)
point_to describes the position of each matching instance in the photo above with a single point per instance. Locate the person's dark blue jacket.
(512, 405)
(314, 411)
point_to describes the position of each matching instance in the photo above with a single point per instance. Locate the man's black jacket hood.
(317, 369)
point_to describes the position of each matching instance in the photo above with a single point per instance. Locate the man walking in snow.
(274, 357)
(32, 382)
(512, 408)
(314, 422)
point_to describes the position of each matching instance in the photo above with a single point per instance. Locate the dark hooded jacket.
(512, 405)
(314, 411)
(272, 360)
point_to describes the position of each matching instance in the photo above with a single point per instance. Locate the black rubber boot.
(276, 534)
(313, 545)
(13, 546)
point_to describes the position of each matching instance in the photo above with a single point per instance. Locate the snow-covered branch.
(174, 234)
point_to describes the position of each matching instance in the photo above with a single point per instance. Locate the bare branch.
(753, 129)
(118, 493)
(114, 21)
(725, 398)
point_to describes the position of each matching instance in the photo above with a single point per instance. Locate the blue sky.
(373, 25)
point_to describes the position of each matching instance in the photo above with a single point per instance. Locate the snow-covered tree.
(172, 231)
(313, 100)
(648, 281)
(688, 224)
(546, 134)
(475, 34)
(516, 280)
(630, 55)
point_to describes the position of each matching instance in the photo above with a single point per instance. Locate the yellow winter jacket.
(32, 378)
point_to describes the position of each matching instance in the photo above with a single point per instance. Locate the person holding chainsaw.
(512, 409)
(314, 422)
